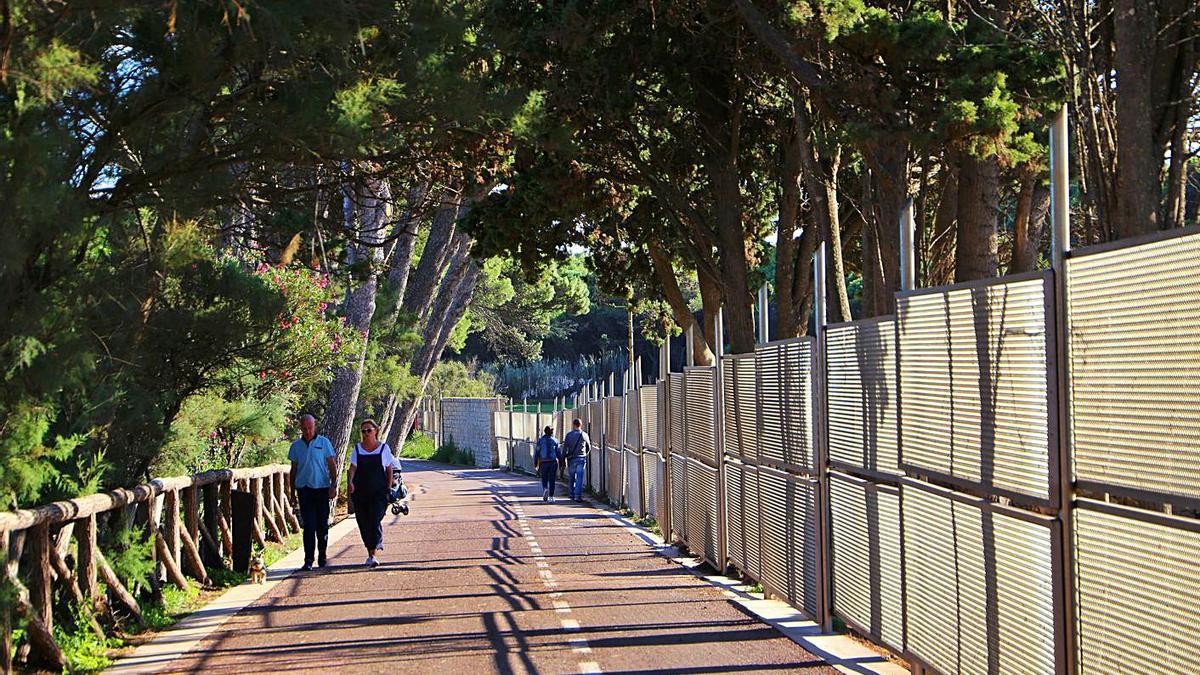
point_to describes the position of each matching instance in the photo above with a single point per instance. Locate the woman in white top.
(371, 467)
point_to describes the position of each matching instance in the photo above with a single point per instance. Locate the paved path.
(483, 578)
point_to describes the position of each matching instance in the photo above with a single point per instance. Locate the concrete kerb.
(155, 655)
(841, 651)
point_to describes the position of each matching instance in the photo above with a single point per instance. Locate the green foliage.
(458, 379)
(128, 551)
(83, 650)
(556, 377)
(419, 446)
(515, 310)
(225, 578)
(277, 551)
(450, 453)
(175, 604)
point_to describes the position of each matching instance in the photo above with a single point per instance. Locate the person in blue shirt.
(575, 449)
(546, 457)
(313, 466)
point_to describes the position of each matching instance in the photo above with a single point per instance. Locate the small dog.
(258, 571)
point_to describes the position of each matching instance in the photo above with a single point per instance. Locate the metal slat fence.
(946, 536)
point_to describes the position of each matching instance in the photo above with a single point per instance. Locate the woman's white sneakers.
(371, 561)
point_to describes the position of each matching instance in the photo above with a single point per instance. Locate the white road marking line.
(570, 624)
(589, 667)
(561, 607)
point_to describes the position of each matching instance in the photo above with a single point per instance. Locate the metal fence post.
(820, 417)
(908, 256)
(719, 441)
(1060, 214)
(664, 427)
(764, 316)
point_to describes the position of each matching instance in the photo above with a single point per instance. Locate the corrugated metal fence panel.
(595, 469)
(679, 496)
(500, 424)
(861, 368)
(973, 380)
(677, 405)
(729, 407)
(632, 419)
(866, 557)
(614, 482)
(612, 422)
(596, 415)
(1138, 586)
(702, 510)
(740, 403)
(735, 513)
(772, 413)
(633, 481)
(523, 456)
(785, 372)
(652, 484)
(980, 585)
(753, 521)
(931, 596)
(1133, 321)
(802, 543)
(774, 530)
(700, 414)
(649, 415)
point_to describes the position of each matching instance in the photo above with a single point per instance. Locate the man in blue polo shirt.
(313, 467)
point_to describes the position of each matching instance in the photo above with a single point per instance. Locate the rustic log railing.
(189, 519)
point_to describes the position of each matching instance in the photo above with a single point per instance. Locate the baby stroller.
(398, 496)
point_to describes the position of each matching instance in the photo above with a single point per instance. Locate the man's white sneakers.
(371, 561)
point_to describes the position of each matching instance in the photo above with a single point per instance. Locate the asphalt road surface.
(483, 577)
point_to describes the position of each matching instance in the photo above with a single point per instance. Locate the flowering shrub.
(309, 343)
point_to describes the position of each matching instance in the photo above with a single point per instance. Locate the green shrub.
(175, 603)
(128, 551)
(83, 650)
(450, 453)
(419, 446)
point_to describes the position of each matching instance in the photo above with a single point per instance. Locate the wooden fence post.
(281, 507)
(86, 559)
(167, 551)
(208, 526)
(6, 642)
(256, 512)
(289, 502)
(157, 554)
(39, 575)
(225, 522)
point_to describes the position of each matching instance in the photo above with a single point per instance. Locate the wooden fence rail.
(188, 519)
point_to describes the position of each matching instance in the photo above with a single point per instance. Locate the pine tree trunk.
(665, 273)
(889, 188)
(369, 217)
(1139, 158)
(976, 251)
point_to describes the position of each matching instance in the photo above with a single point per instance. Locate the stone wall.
(468, 421)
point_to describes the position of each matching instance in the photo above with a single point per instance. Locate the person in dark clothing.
(546, 457)
(313, 466)
(575, 449)
(371, 466)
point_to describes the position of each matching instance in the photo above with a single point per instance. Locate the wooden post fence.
(189, 534)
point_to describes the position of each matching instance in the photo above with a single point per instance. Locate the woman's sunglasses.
(367, 430)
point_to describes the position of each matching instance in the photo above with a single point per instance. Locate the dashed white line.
(578, 643)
